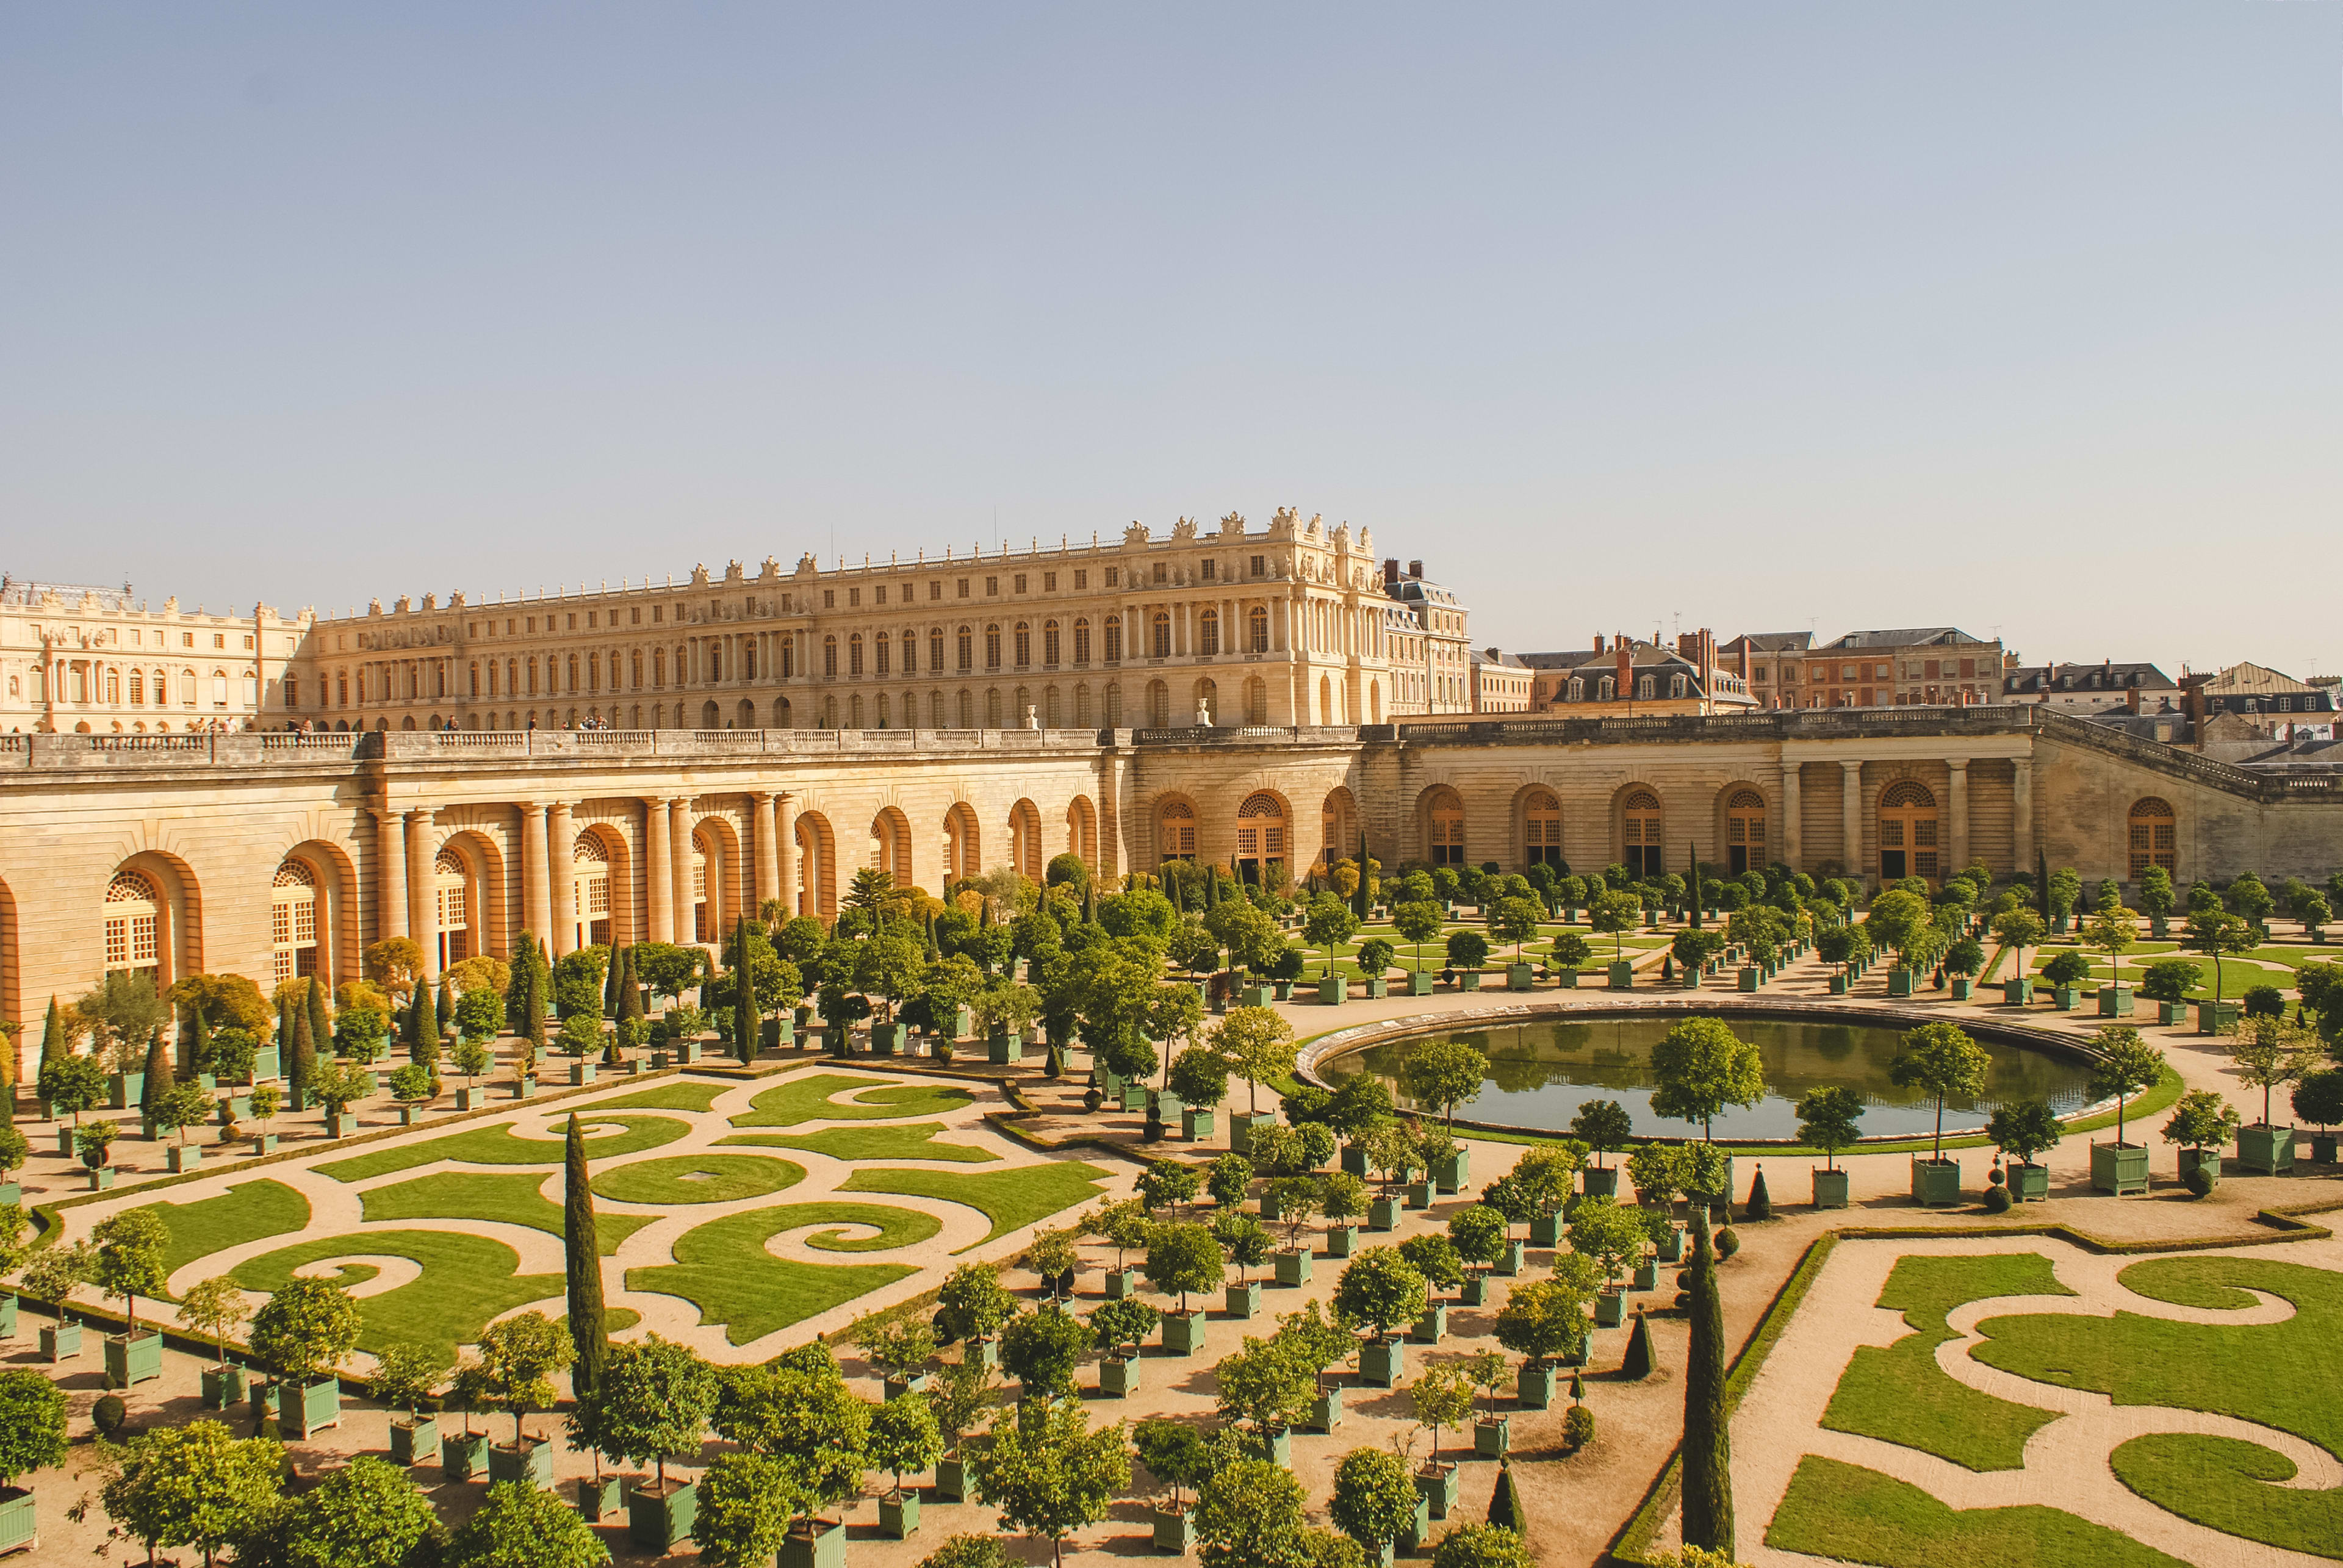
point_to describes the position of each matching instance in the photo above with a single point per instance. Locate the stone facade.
(75, 659)
(217, 852)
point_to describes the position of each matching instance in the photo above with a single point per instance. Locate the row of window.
(80, 685)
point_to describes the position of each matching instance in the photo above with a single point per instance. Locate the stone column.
(680, 868)
(537, 883)
(658, 882)
(390, 874)
(2021, 792)
(1960, 816)
(785, 851)
(423, 890)
(768, 865)
(1793, 829)
(1851, 816)
(560, 840)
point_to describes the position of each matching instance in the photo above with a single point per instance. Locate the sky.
(2022, 317)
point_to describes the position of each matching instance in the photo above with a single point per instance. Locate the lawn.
(913, 1142)
(1856, 1515)
(1011, 1199)
(2225, 1484)
(723, 1269)
(2281, 1374)
(1899, 1394)
(467, 1281)
(497, 1145)
(510, 1197)
(244, 1213)
(680, 1095)
(2237, 976)
(698, 1179)
(807, 1099)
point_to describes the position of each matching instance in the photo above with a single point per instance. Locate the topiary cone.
(1761, 1203)
(1505, 1502)
(1639, 1363)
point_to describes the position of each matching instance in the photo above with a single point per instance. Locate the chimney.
(1416, 569)
(1598, 645)
(1624, 650)
(1391, 569)
(2131, 698)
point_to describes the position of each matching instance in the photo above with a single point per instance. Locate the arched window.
(591, 867)
(963, 848)
(1445, 829)
(1158, 704)
(134, 916)
(935, 651)
(911, 653)
(1542, 829)
(1024, 645)
(1050, 643)
(1640, 830)
(1260, 834)
(992, 646)
(1082, 641)
(967, 647)
(829, 656)
(2155, 833)
(1175, 831)
(854, 654)
(451, 888)
(1208, 633)
(1744, 831)
(293, 921)
(1114, 639)
(703, 908)
(1257, 628)
(1256, 700)
(1908, 832)
(1160, 645)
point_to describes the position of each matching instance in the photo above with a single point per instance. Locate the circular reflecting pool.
(1540, 1072)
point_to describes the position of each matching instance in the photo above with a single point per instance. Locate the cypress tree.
(582, 1261)
(447, 1007)
(1639, 1362)
(301, 1053)
(196, 1038)
(321, 1022)
(158, 1076)
(516, 983)
(53, 1044)
(631, 991)
(1505, 1511)
(613, 973)
(1761, 1202)
(1360, 902)
(1693, 882)
(427, 1031)
(532, 1007)
(1707, 1435)
(1089, 903)
(744, 996)
(410, 1022)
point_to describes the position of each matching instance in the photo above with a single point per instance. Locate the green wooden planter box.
(2213, 1018)
(2018, 992)
(1830, 1188)
(2028, 1183)
(129, 1362)
(124, 1091)
(1326, 1409)
(1468, 979)
(1003, 1049)
(1175, 1531)
(1900, 983)
(1354, 1158)
(414, 1441)
(1647, 1276)
(101, 1178)
(1341, 1241)
(224, 1387)
(1474, 1291)
(1119, 1376)
(1244, 1124)
(1254, 996)
(1241, 1301)
(899, 1515)
(1545, 1230)
(581, 1073)
(304, 1411)
(813, 1543)
(2322, 1152)
(531, 1463)
(2119, 1168)
(525, 1088)
(1838, 985)
(464, 1456)
(1672, 1251)
(1493, 1437)
(886, 1039)
(2171, 1014)
(1431, 1327)
(1378, 987)
(1333, 990)
(1511, 1258)
(1293, 1268)
(1622, 976)
(897, 1387)
(1283, 990)
(1749, 978)
(1277, 1445)
(2115, 1001)
(1518, 976)
(1935, 1182)
(1121, 1285)
(1567, 978)
(1383, 1362)
(182, 1157)
(1610, 1307)
(1437, 1485)
(1134, 1097)
(2269, 1149)
(659, 1517)
(1196, 1123)
(1963, 989)
(1450, 1174)
(1184, 1333)
(1599, 1181)
(233, 1109)
(1270, 1208)
(1419, 1195)
(60, 1341)
(1534, 1385)
(20, 1521)
(1419, 983)
(2066, 997)
(2206, 1160)
(600, 1498)
(1416, 1535)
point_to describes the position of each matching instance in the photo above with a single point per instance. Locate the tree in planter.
(1042, 1349)
(1175, 1454)
(2202, 1120)
(1316, 1339)
(1267, 1385)
(1615, 915)
(1122, 1226)
(306, 1330)
(520, 1525)
(1442, 1398)
(1604, 1125)
(654, 1398)
(1436, 1259)
(1342, 1197)
(368, 1514)
(2167, 979)
(1054, 1474)
(904, 1438)
(517, 1358)
(2067, 968)
(1380, 1288)
(898, 1347)
(1468, 949)
(1375, 1498)
(404, 1377)
(2126, 1065)
(1169, 1182)
(1900, 921)
(1329, 924)
(1547, 1318)
(2218, 935)
(212, 1307)
(972, 1305)
(1418, 921)
(72, 1084)
(1701, 1067)
(32, 1423)
(1826, 1120)
(1360, 1103)
(56, 1272)
(1443, 1074)
(411, 1085)
(1257, 1043)
(1482, 1546)
(962, 1392)
(1229, 1179)
(1478, 1234)
(339, 1087)
(1515, 920)
(1122, 1324)
(2270, 1051)
(180, 1106)
(359, 1032)
(2018, 930)
(2110, 930)
(130, 1249)
(1249, 1515)
(1965, 957)
(194, 1485)
(1242, 1239)
(1941, 1059)
(94, 1144)
(1200, 1077)
(1607, 1234)
(2024, 1130)
(1844, 946)
(1376, 955)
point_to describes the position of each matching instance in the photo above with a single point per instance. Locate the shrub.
(2265, 1001)
(1761, 1203)
(2067, 968)
(109, 1415)
(2200, 1182)
(1996, 1199)
(1578, 1427)
(1727, 1243)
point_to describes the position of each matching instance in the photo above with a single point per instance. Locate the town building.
(1935, 666)
(1443, 635)
(1629, 676)
(1771, 663)
(1501, 682)
(2248, 702)
(2089, 688)
(78, 660)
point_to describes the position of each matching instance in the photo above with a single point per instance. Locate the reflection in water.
(1540, 1072)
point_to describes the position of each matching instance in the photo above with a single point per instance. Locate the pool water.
(1540, 1072)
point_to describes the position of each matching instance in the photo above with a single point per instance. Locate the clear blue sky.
(2015, 316)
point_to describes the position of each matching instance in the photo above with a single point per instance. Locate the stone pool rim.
(1359, 1037)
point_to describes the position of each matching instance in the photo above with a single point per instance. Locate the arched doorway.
(1744, 831)
(706, 914)
(1260, 835)
(1081, 831)
(817, 890)
(1444, 829)
(590, 863)
(1644, 851)
(963, 845)
(1025, 840)
(1908, 832)
(135, 921)
(293, 921)
(1175, 831)
(2155, 836)
(1338, 827)
(1541, 829)
(891, 835)
(451, 888)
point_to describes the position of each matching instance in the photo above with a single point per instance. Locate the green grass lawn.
(2281, 1375)
(511, 1197)
(2225, 1484)
(2237, 977)
(722, 1267)
(1011, 1199)
(466, 1281)
(807, 1099)
(681, 1095)
(244, 1213)
(1899, 1394)
(497, 1146)
(698, 1179)
(914, 1142)
(1856, 1515)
